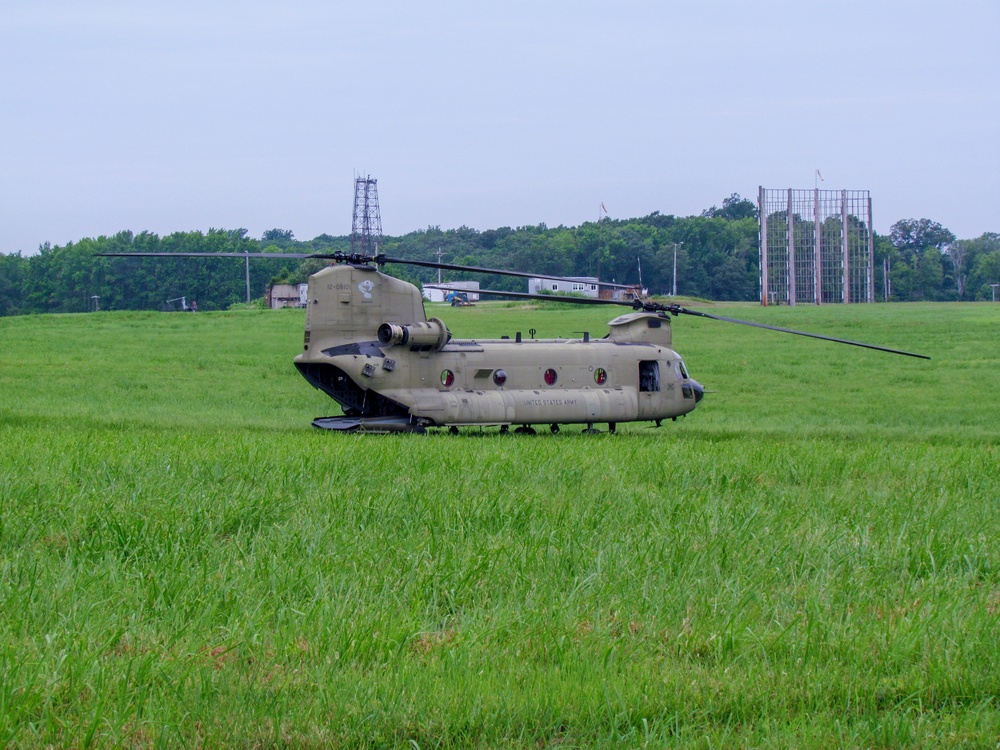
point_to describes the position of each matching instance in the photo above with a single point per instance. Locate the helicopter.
(369, 345)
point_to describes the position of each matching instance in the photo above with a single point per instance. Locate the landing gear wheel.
(590, 429)
(504, 429)
(453, 430)
(554, 429)
(525, 429)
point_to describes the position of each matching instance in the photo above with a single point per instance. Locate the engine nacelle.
(425, 336)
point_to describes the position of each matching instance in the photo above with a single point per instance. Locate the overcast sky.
(171, 116)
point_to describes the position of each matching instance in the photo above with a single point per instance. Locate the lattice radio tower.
(366, 227)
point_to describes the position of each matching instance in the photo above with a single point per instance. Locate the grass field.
(810, 559)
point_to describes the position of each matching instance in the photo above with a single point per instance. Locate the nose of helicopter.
(699, 391)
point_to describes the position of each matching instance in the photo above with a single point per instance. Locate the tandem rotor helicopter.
(369, 345)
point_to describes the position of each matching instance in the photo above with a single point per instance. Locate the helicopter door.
(649, 376)
(649, 389)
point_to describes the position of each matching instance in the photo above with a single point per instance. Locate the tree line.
(927, 262)
(717, 257)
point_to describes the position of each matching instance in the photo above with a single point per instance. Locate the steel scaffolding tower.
(816, 246)
(366, 227)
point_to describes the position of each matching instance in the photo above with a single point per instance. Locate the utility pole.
(439, 253)
(246, 251)
(674, 290)
(600, 236)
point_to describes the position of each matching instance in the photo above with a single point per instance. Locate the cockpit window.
(682, 368)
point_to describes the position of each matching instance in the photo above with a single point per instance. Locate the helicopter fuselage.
(369, 346)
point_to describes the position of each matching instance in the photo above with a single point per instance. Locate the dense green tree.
(912, 236)
(277, 235)
(11, 284)
(929, 274)
(962, 257)
(903, 279)
(918, 268)
(985, 266)
(733, 208)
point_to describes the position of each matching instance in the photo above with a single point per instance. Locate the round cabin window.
(447, 378)
(551, 377)
(600, 376)
(500, 377)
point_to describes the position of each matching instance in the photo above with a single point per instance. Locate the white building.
(585, 285)
(287, 295)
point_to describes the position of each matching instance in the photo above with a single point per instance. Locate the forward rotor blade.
(678, 310)
(685, 311)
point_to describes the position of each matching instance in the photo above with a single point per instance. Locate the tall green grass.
(809, 559)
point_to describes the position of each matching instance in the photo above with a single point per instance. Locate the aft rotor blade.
(496, 271)
(551, 297)
(289, 256)
(360, 259)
